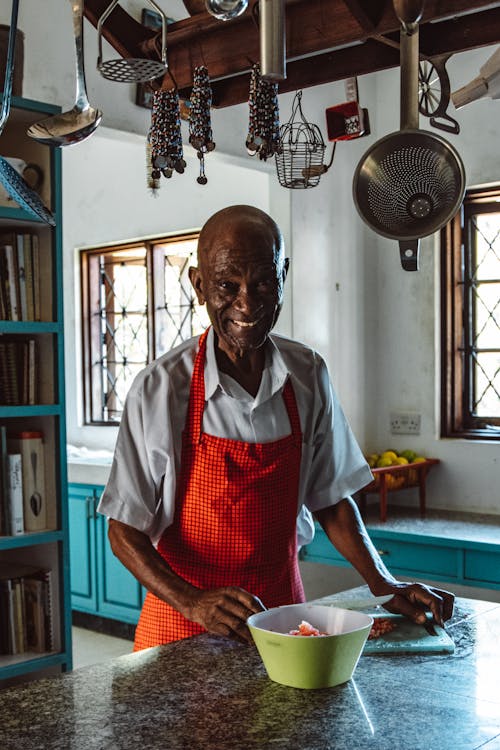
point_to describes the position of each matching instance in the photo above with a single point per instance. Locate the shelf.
(30, 539)
(15, 215)
(14, 665)
(46, 549)
(42, 410)
(29, 326)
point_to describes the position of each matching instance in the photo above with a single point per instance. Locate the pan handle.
(408, 252)
(9, 68)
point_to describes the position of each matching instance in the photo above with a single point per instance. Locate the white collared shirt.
(142, 483)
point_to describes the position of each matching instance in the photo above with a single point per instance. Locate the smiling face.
(240, 277)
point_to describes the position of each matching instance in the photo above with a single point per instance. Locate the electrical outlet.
(405, 423)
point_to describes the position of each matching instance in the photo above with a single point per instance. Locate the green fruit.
(409, 455)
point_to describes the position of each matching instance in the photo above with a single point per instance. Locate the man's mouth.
(245, 323)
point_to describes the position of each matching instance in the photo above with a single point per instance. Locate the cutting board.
(410, 638)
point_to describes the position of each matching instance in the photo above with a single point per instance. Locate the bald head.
(239, 218)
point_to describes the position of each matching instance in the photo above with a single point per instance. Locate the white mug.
(30, 172)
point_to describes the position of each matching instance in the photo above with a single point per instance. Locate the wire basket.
(301, 150)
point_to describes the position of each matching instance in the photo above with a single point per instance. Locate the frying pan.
(14, 184)
(409, 183)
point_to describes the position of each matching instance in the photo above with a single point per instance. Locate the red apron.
(235, 517)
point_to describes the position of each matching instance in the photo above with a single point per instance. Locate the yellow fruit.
(419, 459)
(372, 459)
(392, 455)
(384, 461)
(401, 460)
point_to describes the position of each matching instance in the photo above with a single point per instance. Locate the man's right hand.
(224, 611)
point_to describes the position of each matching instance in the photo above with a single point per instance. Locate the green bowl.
(310, 661)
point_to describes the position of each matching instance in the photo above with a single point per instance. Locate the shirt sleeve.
(336, 465)
(141, 464)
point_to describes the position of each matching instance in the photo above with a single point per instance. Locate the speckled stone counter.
(212, 693)
(475, 527)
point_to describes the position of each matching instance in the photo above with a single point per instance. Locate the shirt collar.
(274, 362)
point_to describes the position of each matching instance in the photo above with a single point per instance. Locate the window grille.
(471, 318)
(137, 304)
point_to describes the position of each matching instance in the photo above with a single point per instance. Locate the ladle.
(71, 127)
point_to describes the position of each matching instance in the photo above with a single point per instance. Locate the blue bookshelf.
(48, 548)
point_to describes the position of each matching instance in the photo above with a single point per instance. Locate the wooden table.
(392, 478)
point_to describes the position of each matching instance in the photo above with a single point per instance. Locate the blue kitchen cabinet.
(100, 584)
(462, 561)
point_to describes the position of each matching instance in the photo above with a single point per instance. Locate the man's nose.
(248, 300)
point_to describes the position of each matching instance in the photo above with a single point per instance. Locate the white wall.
(377, 325)
(106, 200)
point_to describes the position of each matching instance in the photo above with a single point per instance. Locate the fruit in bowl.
(302, 661)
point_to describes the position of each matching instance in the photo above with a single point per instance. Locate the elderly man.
(227, 444)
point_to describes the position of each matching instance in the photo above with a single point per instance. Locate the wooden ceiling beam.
(327, 40)
(375, 54)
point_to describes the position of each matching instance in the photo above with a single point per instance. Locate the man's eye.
(228, 286)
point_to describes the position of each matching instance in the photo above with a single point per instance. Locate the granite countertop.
(212, 693)
(468, 526)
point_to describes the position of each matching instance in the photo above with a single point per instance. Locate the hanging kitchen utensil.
(263, 125)
(410, 183)
(299, 159)
(14, 184)
(74, 126)
(132, 69)
(200, 129)
(434, 93)
(272, 39)
(225, 10)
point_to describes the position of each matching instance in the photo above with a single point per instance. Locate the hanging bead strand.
(263, 126)
(200, 129)
(165, 135)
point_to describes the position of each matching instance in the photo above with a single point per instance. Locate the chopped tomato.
(305, 628)
(381, 626)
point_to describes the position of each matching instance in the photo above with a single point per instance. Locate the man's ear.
(195, 279)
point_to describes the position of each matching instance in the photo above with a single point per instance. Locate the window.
(470, 273)
(137, 303)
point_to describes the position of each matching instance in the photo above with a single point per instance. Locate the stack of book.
(23, 500)
(18, 371)
(19, 276)
(26, 620)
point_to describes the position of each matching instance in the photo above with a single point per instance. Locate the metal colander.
(409, 184)
(132, 69)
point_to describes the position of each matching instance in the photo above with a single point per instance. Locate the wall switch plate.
(405, 423)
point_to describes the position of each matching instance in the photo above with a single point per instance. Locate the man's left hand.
(414, 599)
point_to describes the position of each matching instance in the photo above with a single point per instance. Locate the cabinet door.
(82, 548)
(120, 595)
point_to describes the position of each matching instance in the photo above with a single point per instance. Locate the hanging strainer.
(410, 183)
(132, 69)
(301, 149)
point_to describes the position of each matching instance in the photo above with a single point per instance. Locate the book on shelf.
(11, 282)
(26, 613)
(19, 276)
(18, 371)
(4, 473)
(14, 506)
(29, 445)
